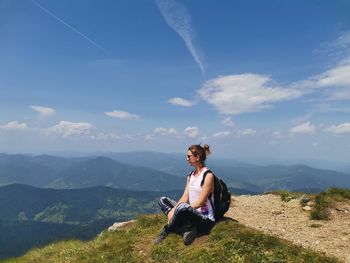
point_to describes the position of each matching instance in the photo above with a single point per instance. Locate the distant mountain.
(75, 206)
(241, 175)
(172, 163)
(158, 172)
(24, 169)
(107, 172)
(31, 216)
(56, 172)
(33, 170)
(275, 177)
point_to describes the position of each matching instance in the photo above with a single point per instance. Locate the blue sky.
(250, 78)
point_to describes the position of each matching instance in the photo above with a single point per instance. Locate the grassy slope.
(326, 199)
(227, 242)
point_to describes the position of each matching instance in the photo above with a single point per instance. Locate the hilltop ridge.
(255, 237)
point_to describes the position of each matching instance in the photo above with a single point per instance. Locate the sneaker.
(163, 234)
(189, 236)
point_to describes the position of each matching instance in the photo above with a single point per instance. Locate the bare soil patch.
(289, 221)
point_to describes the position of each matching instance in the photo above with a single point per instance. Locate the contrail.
(178, 18)
(70, 27)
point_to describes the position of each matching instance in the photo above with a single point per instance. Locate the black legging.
(185, 216)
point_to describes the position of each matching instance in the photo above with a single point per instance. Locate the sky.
(251, 78)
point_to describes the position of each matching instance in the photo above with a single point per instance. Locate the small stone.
(311, 203)
(118, 225)
(275, 212)
(307, 208)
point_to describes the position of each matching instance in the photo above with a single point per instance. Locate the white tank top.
(194, 191)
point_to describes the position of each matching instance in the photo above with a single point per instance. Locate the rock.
(307, 208)
(311, 203)
(118, 225)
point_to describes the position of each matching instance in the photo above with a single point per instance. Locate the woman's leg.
(189, 221)
(166, 204)
(186, 220)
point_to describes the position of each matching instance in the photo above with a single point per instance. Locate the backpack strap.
(189, 176)
(212, 193)
(204, 175)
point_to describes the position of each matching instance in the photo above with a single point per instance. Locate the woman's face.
(191, 159)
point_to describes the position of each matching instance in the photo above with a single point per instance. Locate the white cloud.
(340, 95)
(106, 136)
(276, 134)
(122, 115)
(14, 125)
(326, 107)
(222, 135)
(236, 94)
(304, 128)
(246, 132)
(165, 131)
(228, 122)
(301, 119)
(149, 138)
(339, 129)
(43, 111)
(342, 42)
(178, 18)
(191, 132)
(338, 48)
(66, 128)
(181, 102)
(338, 76)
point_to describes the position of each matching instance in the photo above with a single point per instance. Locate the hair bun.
(206, 149)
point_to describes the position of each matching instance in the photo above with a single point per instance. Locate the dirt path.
(287, 220)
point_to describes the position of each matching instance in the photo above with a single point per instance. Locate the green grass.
(325, 200)
(287, 196)
(227, 242)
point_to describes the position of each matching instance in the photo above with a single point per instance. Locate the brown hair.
(200, 151)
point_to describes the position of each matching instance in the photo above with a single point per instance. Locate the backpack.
(222, 196)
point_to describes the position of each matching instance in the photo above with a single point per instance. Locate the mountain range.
(31, 216)
(68, 173)
(45, 198)
(149, 171)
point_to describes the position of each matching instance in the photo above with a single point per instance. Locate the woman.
(193, 213)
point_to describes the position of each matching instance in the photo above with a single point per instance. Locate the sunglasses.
(189, 156)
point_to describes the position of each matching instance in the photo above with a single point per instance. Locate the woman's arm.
(185, 196)
(207, 189)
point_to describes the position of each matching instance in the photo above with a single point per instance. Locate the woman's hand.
(170, 214)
